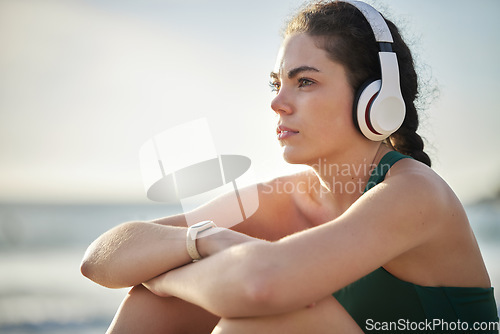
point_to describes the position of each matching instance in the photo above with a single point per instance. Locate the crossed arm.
(135, 252)
(243, 276)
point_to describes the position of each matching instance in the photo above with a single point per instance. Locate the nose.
(280, 105)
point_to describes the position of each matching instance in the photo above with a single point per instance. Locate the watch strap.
(192, 234)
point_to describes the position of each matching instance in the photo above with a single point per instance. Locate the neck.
(344, 179)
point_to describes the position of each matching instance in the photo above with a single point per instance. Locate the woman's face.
(313, 102)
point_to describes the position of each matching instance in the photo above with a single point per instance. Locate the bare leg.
(328, 316)
(143, 312)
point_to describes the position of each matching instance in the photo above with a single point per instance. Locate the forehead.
(299, 50)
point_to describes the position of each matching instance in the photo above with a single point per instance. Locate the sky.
(84, 84)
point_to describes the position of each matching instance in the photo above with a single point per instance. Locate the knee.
(138, 297)
(144, 312)
(138, 290)
(226, 326)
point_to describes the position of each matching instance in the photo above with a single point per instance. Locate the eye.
(275, 86)
(304, 82)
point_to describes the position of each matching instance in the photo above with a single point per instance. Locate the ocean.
(42, 290)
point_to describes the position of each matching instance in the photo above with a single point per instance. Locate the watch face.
(200, 227)
(206, 226)
(202, 223)
(192, 234)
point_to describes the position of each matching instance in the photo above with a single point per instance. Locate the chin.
(294, 157)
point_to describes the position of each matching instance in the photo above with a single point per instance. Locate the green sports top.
(381, 303)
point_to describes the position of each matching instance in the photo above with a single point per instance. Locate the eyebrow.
(296, 71)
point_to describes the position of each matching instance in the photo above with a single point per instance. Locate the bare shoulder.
(415, 176)
(278, 213)
(413, 184)
(431, 216)
(413, 205)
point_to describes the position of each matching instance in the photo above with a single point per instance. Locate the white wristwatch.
(194, 232)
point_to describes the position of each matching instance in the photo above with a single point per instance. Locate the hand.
(155, 286)
(209, 245)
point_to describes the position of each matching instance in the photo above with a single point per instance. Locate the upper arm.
(394, 217)
(175, 220)
(261, 210)
(240, 209)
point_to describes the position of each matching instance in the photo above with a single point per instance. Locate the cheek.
(336, 114)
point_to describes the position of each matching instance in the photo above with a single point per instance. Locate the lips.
(284, 132)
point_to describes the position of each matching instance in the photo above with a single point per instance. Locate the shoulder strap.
(378, 174)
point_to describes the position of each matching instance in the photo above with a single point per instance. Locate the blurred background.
(83, 84)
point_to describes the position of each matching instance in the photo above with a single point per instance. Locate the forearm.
(132, 253)
(232, 283)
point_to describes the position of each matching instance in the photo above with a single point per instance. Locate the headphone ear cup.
(362, 109)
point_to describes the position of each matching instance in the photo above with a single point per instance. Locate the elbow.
(86, 269)
(251, 299)
(259, 287)
(91, 270)
(98, 275)
(266, 283)
(258, 291)
(95, 271)
(101, 263)
(258, 297)
(89, 267)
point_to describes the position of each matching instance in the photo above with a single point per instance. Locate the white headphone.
(379, 108)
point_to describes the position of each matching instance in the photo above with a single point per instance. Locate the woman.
(359, 248)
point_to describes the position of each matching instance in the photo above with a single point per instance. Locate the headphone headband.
(376, 21)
